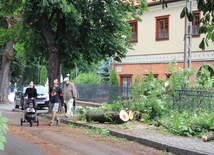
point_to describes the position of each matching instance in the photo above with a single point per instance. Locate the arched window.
(210, 70)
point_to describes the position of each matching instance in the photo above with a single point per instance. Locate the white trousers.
(69, 104)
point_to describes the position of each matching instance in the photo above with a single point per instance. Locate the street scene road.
(62, 140)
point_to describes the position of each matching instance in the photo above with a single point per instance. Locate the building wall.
(157, 69)
(147, 30)
(151, 55)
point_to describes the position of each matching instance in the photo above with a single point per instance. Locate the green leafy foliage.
(86, 31)
(116, 106)
(43, 75)
(108, 117)
(178, 76)
(103, 70)
(82, 111)
(114, 89)
(207, 21)
(113, 80)
(3, 129)
(151, 97)
(148, 96)
(194, 123)
(88, 78)
(204, 80)
(80, 67)
(98, 131)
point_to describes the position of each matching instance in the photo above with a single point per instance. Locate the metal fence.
(102, 93)
(192, 99)
(187, 99)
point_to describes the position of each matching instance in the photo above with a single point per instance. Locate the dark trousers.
(74, 104)
(65, 106)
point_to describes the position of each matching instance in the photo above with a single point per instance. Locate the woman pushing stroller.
(30, 105)
(30, 92)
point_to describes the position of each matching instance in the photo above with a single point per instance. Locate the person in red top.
(55, 95)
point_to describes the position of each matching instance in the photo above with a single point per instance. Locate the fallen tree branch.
(158, 123)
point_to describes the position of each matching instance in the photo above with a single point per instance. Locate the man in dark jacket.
(55, 94)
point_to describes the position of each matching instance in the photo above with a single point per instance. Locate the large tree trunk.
(53, 50)
(8, 56)
(53, 53)
(53, 61)
(53, 65)
(108, 117)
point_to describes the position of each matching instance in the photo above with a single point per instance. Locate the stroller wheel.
(31, 123)
(21, 122)
(37, 122)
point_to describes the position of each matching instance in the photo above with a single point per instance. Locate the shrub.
(114, 90)
(103, 70)
(113, 80)
(43, 75)
(88, 78)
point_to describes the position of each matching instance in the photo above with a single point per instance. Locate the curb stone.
(142, 140)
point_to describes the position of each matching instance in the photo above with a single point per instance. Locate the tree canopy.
(66, 31)
(69, 31)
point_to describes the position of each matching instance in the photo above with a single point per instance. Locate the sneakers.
(58, 122)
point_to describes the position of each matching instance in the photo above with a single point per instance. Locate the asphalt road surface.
(63, 139)
(16, 145)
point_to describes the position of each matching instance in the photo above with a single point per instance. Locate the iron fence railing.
(183, 98)
(193, 98)
(102, 93)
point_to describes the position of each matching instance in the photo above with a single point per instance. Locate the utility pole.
(188, 36)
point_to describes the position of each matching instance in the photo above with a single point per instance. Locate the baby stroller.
(30, 113)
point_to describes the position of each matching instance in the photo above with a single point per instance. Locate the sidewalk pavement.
(150, 136)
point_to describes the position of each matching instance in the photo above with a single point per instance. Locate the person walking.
(70, 95)
(30, 93)
(15, 87)
(9, 88)
(55, 94)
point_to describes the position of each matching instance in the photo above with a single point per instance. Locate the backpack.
(76, 94)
